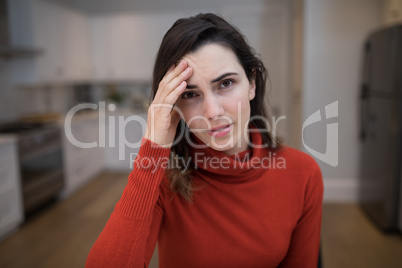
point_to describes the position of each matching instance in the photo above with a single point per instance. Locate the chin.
(221, 146)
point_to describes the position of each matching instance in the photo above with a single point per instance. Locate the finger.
(171, 68)
(168, 104)
(175, 94)
(167, 89)
(170, 75)
(167, 78)
(181, 77)
(177, 81)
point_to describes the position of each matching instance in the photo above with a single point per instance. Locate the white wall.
(334, 35)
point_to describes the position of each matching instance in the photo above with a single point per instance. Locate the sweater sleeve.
(130, 235)
(305, 242)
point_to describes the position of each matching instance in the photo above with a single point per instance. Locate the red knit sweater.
(262, 211)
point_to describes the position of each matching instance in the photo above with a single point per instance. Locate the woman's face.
(218, 95)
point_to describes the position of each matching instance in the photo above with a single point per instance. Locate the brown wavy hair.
(186, 36)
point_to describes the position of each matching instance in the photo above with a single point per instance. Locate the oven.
(41, 162)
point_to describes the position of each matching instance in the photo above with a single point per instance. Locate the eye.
(188, 95)
(226, 83)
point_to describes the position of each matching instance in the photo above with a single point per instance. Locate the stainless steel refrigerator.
(381, 128)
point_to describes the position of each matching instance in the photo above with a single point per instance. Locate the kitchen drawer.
(82, 156)
(88, 161)
(8, 175)
(10, 211)
(78, 173)
(82, 164)
(8, 155)
(8, 168)
(71, 153)
(75, 169)
(85, 131)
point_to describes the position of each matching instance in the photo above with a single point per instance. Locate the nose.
(212, 107)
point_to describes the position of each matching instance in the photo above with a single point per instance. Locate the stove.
(19, 127)
(41, 163)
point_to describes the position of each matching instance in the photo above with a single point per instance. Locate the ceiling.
(107, 6)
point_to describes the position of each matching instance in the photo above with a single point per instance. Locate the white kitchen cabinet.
(75, 46)
(124, 47)
(81, 165)
(118, 47)
(128, 126)
(11, 210)
(63, 36)
(100, 38)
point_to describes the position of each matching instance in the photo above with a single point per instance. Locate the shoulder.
(305, 172)
(299, 165)
(296, 159)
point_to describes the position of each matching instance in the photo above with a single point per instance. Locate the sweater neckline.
(239, 167)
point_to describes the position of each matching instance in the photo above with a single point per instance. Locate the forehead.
(213, 60)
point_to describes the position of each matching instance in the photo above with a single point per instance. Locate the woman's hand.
(162, 120)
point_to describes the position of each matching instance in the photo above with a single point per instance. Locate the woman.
(210, 183)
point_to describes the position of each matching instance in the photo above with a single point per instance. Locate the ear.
(251, 92)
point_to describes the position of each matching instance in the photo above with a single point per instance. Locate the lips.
(219, 128)
(219, 132)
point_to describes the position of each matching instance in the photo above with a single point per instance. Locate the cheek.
(187, 113)
(239, 104)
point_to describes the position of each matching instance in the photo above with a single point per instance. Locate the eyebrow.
(214, 80)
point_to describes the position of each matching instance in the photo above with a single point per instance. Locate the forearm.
(123, 241)
(305, 242)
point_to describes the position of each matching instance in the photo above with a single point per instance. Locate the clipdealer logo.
(330, 156)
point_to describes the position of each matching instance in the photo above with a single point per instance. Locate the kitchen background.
(55, 54)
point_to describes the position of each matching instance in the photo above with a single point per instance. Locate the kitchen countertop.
(82, 115)
(126, 112)
(93, 114)
(7, 139)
